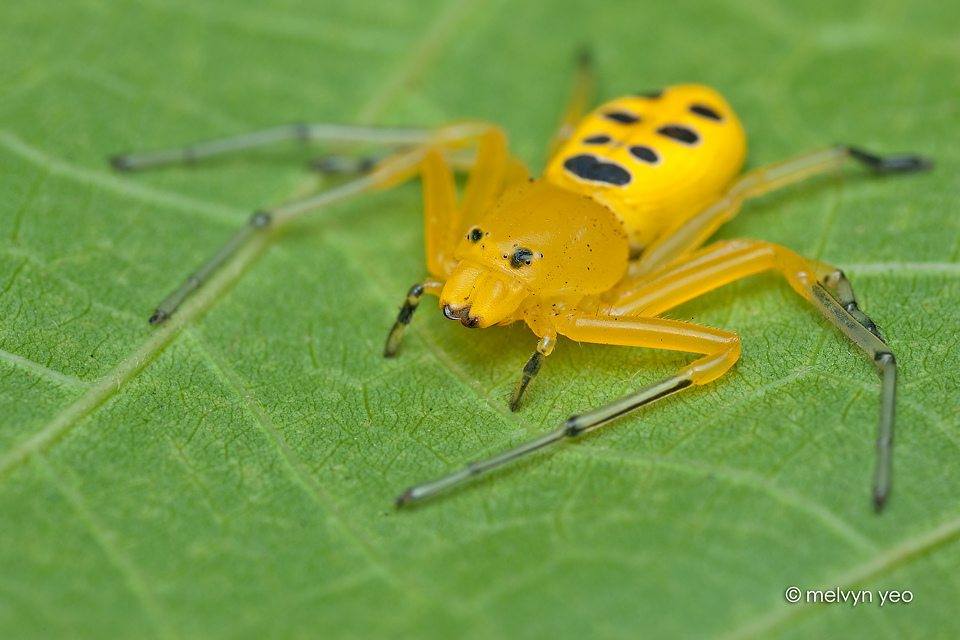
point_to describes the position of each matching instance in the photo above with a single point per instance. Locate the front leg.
(532, 368)
(721, 350)
(431, 286)
(444, 218)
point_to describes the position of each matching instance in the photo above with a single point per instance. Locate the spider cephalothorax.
(536, 242)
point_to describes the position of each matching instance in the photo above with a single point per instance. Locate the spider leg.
(837, 280)
(275, 218)
(692, 233)
(300, 132)
(724, 262)
(579, 101)
(395, 169)
(494, 171)
(430, 285)
(445, 220)
(883, 478)
(721, 349)
(532, 368)
(461, 160)
(338, 164)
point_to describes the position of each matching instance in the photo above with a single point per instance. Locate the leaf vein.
(126, 188)
(296, 465)
(130, 366)
(426, 51)
(830, 520)
(106, 540)
(30, 365)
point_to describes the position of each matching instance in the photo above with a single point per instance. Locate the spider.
(610, 236)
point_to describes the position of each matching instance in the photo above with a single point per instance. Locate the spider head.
(537, 242)
(479, 296)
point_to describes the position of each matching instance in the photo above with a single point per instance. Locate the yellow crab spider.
(609, 237)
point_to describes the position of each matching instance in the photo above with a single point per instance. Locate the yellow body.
(632, 172)
(671, 178)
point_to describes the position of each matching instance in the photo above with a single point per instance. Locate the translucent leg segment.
(386, 173)
(277, 217)
(722, 349)
(694, 232)
(724, 262)
(570, 428)
(258, 221)
(254, 139)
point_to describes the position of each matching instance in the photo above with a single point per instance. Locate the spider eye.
(475, 235)
(521, 257)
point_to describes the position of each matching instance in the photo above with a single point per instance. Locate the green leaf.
(232, 476)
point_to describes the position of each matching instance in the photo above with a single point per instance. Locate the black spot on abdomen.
(600, 138)
(704, 111)
(594, 169)
(622, 117)
(680, 133)
(645, 154)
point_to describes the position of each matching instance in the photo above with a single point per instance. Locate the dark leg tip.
(891, 164)
(327, 165)
(261, 219)
(519, 391)
(392, 347)
(530, 371)
(403, 499)
(905, 164)
(879, 501)
(585, 56)
(158, 317)
(121, 163)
